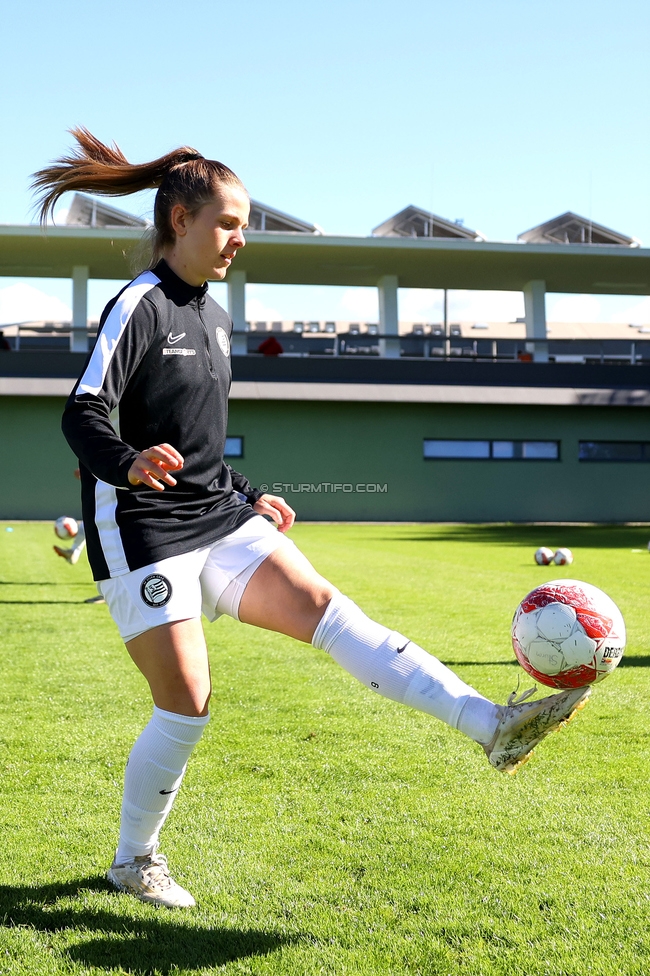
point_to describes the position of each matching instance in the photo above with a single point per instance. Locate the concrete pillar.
(79, 333)
(535, 309)
(388, 316)
(445, 324)
(237, 310)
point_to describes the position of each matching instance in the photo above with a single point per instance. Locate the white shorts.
(211, 579)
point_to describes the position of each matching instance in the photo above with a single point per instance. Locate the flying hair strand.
(181, 176)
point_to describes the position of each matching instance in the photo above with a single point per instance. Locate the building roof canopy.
(570, 228)
(88, 211)
(415, 222)
(267, 219)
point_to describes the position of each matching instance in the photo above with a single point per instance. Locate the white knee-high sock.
(396, 668)
(153, 775)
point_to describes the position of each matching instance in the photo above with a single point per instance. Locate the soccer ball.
(544, 556)
(563, 557)
(66, 527)
(567, 634)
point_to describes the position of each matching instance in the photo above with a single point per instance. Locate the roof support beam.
(388, 316)
(79, 331)
(535, 310)
(237, 310)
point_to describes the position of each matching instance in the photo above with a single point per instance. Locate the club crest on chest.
(223, 341)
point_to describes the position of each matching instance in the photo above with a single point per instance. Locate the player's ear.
(180, 219)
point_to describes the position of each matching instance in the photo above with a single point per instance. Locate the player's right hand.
(151, 467)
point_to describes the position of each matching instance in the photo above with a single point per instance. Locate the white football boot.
(148, 878)
(522, 725)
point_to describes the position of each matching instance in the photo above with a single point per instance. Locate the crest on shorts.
(224, 342)
(156, 590)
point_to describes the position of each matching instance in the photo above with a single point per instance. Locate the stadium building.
(385, 420)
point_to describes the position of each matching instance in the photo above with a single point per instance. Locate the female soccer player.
(173, 530)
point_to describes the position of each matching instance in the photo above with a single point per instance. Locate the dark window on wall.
(234, 447)
(614, 451)
(489, 450)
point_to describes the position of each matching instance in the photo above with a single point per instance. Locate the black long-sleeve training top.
(159, 373)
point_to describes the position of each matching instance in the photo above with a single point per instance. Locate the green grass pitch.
(322, 829)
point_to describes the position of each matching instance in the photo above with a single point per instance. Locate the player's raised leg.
(72, 554)
(287, 595)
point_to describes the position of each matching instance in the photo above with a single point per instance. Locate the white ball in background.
(66, 527)
(544, 556)
(563, 557)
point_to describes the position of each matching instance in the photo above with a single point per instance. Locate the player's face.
(207, 243)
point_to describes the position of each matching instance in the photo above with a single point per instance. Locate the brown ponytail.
(182, 176)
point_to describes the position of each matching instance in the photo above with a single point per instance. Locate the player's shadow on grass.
(15, 603)
(161, 942)
(574, 536)
(476, 664)
(42, 583)
(35, 603)
(640, 661)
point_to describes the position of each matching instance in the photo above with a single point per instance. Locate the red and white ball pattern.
(66, 527)
(568, 634)
(544, 556)
(563, 557)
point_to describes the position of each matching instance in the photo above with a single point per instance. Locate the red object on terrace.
(270, 347)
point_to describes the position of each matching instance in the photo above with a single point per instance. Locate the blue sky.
(500, 112)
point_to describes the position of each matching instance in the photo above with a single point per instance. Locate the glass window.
(614, 451)
(456, 449)
(234, 447)
(540, 450)
(503, 449)
(495, 450)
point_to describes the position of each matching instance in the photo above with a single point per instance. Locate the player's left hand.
(281, 513)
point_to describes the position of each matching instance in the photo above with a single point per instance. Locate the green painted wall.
(299, 445)
(37, 479)
(378, 443)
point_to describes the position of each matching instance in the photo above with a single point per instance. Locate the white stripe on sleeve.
(116, 322)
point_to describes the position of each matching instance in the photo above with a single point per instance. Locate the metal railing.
(454, 348)
(49, 337)
(357, 344)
